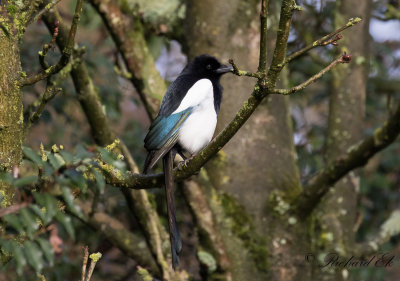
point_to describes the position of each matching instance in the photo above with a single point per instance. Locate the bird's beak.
(224, 69)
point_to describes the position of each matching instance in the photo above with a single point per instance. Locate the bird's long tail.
(176, 243)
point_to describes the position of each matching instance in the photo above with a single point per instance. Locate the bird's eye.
(208, 66)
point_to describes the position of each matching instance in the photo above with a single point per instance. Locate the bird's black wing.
(163, 135)
(176, 92)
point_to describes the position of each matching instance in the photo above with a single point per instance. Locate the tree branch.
(66, 52)
(356, 156)
(323, 41)
(262, 64)
(388, 229)
(263, 88)
(342, 59)
(137, 201)
(129, 39)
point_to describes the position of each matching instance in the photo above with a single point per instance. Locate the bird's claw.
(183, 163)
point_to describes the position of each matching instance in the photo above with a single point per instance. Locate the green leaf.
(25, 181)
(67, 223)
(56, 160)
(69, 200)
(38, 212)
(47, 250)
(48, 169)
(99, 180)
(77, 179)
(29, 220)
(81, 153)
(33, 155)
(107, 156)
(208, 260)
(51, 206)
(34, 255)
(15, 222)
(19, 256)
(68, 157)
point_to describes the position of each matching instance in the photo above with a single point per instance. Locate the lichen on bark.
(11, 111)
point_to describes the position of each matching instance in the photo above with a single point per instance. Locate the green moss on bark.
(11, 113)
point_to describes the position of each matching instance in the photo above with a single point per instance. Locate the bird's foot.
(184, 163)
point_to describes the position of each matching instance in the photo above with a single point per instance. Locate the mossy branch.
(345, 58)
(390, 228)
(128, 35)
(263, 88)
(356, 156)
(66, 52)
(103, 134)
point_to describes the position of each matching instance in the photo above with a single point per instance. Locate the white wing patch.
(200, 91)
(198, 129)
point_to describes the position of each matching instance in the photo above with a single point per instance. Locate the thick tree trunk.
(11, 112)
(336, 214)
(256, 174)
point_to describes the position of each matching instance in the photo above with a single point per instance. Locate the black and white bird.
(185, 124)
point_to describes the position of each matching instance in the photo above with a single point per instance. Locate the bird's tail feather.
(176, 243)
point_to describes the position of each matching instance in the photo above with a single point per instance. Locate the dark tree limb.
(356, 156)
(129, 39)
(66, 51)
(263, 88)
(137, 201)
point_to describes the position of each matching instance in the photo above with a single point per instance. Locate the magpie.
(185, 124)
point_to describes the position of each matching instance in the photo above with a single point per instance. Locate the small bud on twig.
(346, 58)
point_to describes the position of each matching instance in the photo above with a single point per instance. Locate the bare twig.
(66, 53)
(331, 38)
(262, 64)
(43, 10)
(345, 58)
(263, 88)
(238, 72)
(390, 228)
(84, 263)
(356, 156)
(13, 209)
(94, 258)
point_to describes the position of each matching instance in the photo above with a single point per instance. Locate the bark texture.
(11, 111)
(336, 214)
(243, 182)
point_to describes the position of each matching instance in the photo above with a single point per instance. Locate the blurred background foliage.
(57, 253)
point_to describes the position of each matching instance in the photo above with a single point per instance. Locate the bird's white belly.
(198, 129)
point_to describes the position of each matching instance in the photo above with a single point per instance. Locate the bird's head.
(208, 67)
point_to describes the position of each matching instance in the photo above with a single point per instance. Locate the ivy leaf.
(77, 179)
(81, 153)
(19, 257)
(34, 255)
(51, 206)
(99, 180)
(67, 223)
(25, 181)
(67, 156)
(47, 250)
(56, 160)
(38, 212)
(69, 200)
(29, 221)
(15, 222)
(32, 155)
